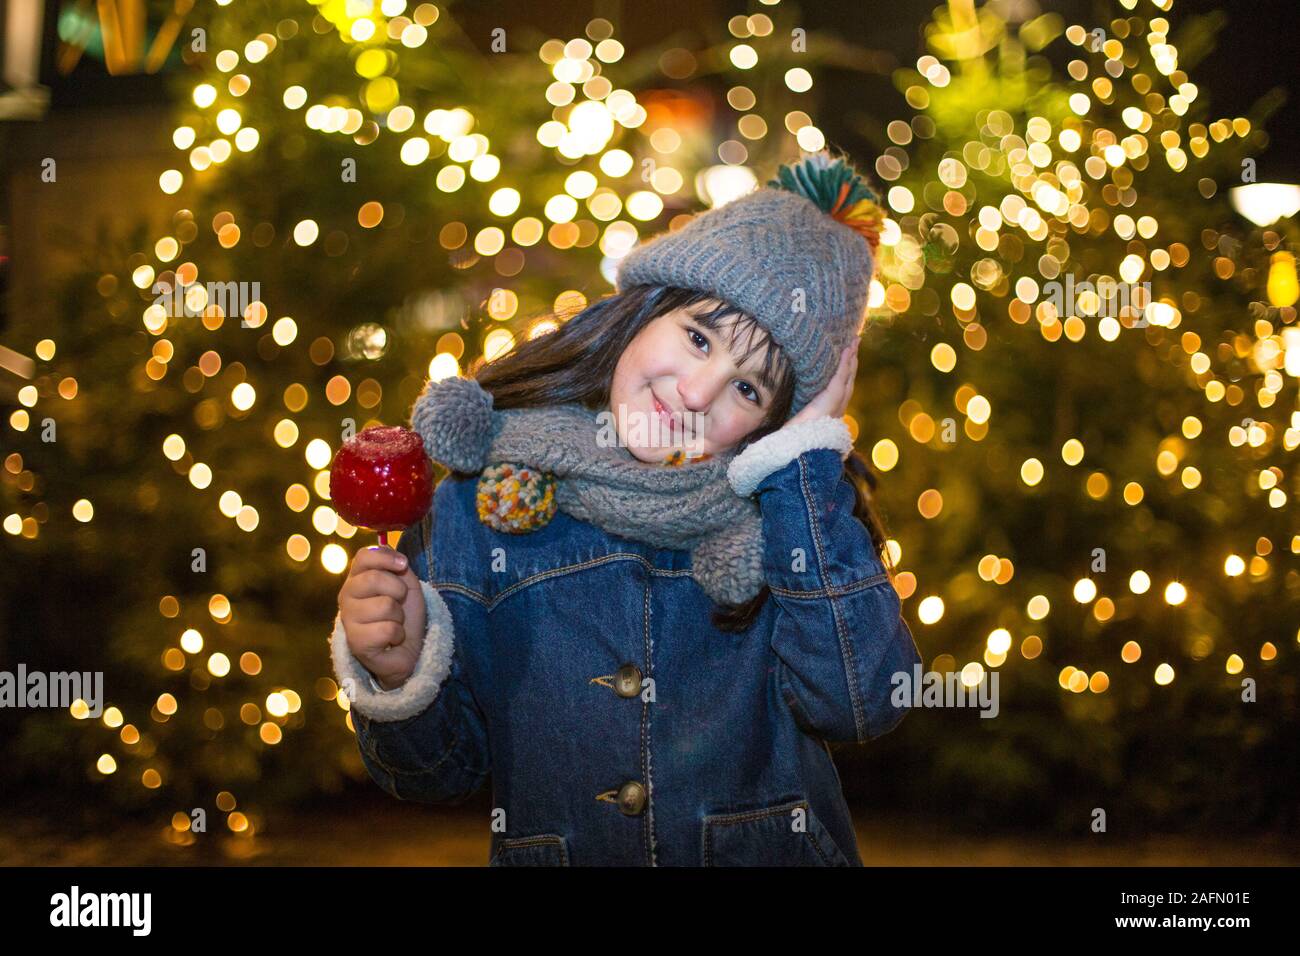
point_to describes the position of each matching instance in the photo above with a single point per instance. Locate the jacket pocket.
(544, 849)
(772, 836)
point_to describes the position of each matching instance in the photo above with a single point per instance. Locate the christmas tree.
(1082, 412)
(1077, 386)
(366, 197)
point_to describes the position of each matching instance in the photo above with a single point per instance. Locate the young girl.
(649, 641)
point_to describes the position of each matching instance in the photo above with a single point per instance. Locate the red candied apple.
(382, 479)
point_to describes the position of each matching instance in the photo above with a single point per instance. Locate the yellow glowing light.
(318, 453)
(1031, 471)
(333, 558)
(963, 296)
(999, 641)
(644, 205)
(497, 343)
(1283, 290)
(561, 208)
(1164, 674)
(930, 610)
(242, 396)
(443, 365)
(1175, 593)
(1130, 269)
(798, 79)
(171, 181)
(900, 199)
(743, 56)
(306, 232)
(943, 357)
(219, 664)
(884, 454)
(1084, 590)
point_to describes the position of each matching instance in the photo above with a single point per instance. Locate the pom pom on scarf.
(515, 499)
(454, 416)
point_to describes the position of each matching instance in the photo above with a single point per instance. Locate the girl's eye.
(752, 395)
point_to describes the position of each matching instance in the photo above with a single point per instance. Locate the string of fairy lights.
(1063, 176)
(588, 111)
(1050, 196)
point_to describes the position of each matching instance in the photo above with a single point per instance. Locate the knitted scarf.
(691, 507)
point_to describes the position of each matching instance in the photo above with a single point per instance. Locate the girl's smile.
(666, 414)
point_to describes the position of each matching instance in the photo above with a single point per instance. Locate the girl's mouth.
(665, 416)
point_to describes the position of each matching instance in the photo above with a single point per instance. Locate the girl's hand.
(833, 400)
(381, 606)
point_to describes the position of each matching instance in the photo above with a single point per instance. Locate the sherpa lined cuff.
(413, 697)
(773, 452)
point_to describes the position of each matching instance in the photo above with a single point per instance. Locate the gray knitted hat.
(798, 256)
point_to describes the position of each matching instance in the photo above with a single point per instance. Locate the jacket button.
(627, 681)
(631, 798)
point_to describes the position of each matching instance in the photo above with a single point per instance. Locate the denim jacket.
(582, 672)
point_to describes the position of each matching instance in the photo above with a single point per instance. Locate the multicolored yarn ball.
(838, 190)
(515, 499)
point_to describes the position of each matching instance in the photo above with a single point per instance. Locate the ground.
(386, 832)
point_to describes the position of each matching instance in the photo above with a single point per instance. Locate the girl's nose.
(701, 386)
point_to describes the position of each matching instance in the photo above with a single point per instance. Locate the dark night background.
(120, 126)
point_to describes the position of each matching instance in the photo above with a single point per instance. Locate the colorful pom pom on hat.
(838, 190)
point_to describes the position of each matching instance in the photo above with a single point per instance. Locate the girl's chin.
(651, 454)
(656, 454)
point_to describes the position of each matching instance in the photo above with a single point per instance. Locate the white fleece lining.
(773, 452)
(413, 697)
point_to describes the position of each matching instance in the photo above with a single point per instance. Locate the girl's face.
(678, 385)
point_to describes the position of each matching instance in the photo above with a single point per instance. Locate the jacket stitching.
(846, 650)
(491, 603)
(648, 831)
(750, 815)
(832, 590)
(515, 843)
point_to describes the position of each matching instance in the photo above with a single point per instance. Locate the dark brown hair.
(576, 362)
